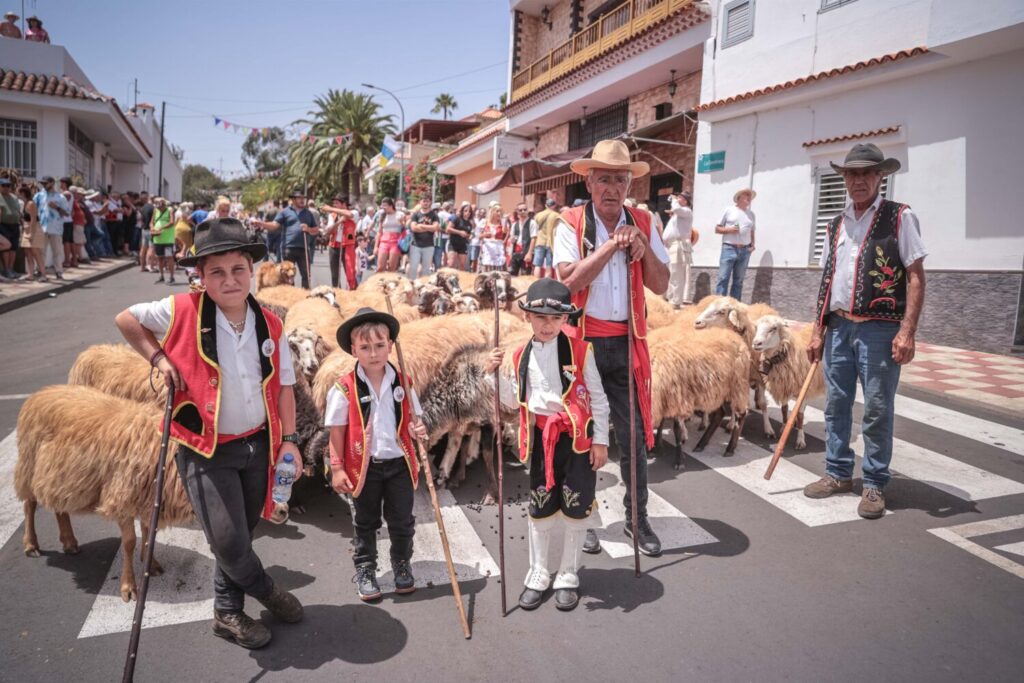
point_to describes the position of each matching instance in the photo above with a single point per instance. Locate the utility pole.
(401, 160)
(136, 105)
(160, 172)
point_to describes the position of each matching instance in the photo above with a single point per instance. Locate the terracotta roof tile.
(788, 85)
(854, 136)
(43, 84)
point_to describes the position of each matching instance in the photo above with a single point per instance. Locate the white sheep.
(784, 366)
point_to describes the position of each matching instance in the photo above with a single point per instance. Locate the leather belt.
(846, 315)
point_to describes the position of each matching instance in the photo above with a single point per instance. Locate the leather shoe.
(530, 599)
(591, 544)
(283, 605)
(241, 628)
(648, 541)
(566, 599)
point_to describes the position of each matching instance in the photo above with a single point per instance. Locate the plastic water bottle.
(284, 476)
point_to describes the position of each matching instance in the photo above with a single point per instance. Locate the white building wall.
(960, 156)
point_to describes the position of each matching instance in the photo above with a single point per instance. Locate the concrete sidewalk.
(14, 295)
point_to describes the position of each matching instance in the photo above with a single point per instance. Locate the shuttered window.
(832, 4)
(831, 198)
(738, 22)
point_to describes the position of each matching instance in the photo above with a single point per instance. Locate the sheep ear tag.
(268, 347)
(399, 394)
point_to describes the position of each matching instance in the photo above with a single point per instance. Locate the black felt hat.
(220, 235)
(363, 316)
(867, 157)
(549, 297)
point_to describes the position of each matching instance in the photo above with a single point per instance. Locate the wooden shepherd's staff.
(792, 419)
(429, 474)
(632, 417)
(147, 553)
(500, 459)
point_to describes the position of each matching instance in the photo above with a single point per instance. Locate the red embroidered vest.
(191, 345)
(572, 354)
(357, 443)
(344, 233)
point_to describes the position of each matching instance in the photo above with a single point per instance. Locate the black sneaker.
(170, 281)
(159, 280)
(591, 544)
(59, 276)
(648, 541)
(404, 581)
(366, 582)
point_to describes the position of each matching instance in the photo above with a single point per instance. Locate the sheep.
(730, 314)
(433, 300)
(400, 287)
(308, 350)
(318, 315)
(116, 369)
(660, 313)
(69, 466)
(466, 303)
(350, 301)
(270, 274)
(692, 372)
(285, 296)
(495, 286)
(326, 293)
(784, 365)
(448, 280)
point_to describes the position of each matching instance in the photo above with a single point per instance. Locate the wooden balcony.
(605, 34)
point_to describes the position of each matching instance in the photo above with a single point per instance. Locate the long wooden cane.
(792, 419)
(632, 417)
(147, 554)
(428, 473)
(501, 461)
(305, 250)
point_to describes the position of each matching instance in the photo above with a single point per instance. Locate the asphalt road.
(761, 585)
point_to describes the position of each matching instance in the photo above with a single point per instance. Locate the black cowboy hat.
(219, 235)
(297, 193)
(363, 316)
(867, 157)
(341, 198)
(549, 297)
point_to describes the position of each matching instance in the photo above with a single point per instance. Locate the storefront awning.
(531, 171)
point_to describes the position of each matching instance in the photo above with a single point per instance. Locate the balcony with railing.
(610, 30)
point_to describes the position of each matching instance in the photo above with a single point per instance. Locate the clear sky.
(261, 62)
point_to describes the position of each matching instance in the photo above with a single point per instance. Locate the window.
(662, 111)
(80, 155)
(603, 124)
(832, 4)
(831, 199)
(18, 146)
(738, 22)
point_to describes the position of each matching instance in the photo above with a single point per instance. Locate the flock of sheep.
(90, 446)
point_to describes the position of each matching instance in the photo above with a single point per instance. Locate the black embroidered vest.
(879, 276)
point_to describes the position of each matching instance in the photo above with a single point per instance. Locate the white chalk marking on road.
(961, 535)
(785, 490)
(14, 397)
(956, 478)
(1015, 548)
(470, 557)
(181, 595)
(11, 511)
(674, 529)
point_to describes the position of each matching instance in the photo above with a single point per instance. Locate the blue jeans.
(733, 261)
(107, 247)
(94, 241)
(420, 259)
(860, 351)
(439, 252)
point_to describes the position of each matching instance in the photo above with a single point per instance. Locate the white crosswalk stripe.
(954, 422)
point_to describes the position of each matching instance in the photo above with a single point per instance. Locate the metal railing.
(609, 31)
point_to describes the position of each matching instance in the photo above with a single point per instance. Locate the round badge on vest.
(268, 347)
(399, 394)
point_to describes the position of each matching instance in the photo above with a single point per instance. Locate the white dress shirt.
(544, 392)
(382, 430)
(609, 299)
(241, 378)
(851, 235)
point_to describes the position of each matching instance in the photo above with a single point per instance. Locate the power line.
(218, 99)
(447, 78)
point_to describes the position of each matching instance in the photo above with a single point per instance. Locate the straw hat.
(745, 190)
(612, 155)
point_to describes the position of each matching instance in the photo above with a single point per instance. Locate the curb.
(67, 286)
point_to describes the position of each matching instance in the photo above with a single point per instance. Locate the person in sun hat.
(234, 414)
(594, 246)
(737, 229)
(9, 27)
(869, 303)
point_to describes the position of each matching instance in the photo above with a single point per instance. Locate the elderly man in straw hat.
(871, 295)
(738, 233)
(594, 245)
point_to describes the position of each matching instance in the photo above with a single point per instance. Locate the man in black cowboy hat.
(234, 414)
(563, 431)
(871, 295)
(298, 233)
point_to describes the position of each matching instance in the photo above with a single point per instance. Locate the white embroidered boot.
(567, 582)
(538, 578)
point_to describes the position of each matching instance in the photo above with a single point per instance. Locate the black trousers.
(334, 260)
(298, 257)
(575, 480)
(227, 493)
(613, 364)
(516, 263)
(387, 489)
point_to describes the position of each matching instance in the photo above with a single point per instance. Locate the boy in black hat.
(373, 423)
(563, 427)
(234, 414)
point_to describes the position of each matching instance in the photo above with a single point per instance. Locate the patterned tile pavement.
(990, 378)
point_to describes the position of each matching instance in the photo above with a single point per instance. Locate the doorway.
(661, 187)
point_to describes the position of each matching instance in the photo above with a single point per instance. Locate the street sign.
(713, 161)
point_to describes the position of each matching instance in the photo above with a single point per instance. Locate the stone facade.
(967, 310)
(554, 141)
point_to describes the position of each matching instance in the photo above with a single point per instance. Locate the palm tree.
(325, 165)
(444, 102)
